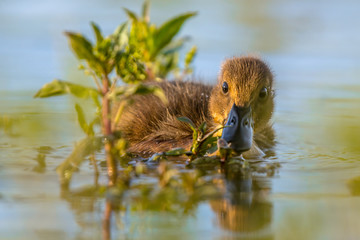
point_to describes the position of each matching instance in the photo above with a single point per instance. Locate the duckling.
(242, 100)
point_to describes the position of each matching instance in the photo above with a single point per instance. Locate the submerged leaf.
(157, 157)
(83, 149)
(176, 152)
(167, 31)
(59, 87)
(204, 160)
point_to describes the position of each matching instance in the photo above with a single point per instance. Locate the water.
(312, 49)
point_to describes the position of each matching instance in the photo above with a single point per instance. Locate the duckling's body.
(152, 126)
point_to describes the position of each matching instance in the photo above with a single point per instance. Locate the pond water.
(312, 47)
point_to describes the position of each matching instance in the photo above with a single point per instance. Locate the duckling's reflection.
(245, 210)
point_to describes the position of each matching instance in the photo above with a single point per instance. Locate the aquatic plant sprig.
(154, 45)
(225, 151)
(135, 52)
(202, 142)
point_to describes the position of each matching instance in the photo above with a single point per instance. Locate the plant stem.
(107, 221)
(114, 84)
(93, 74)
(107, 131)
(96, 170)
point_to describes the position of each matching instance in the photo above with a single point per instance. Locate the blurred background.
(313, 50)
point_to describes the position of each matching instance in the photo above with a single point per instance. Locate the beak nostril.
(246, 123)
(233, 121)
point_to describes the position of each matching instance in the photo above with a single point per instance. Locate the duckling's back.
(152, 126)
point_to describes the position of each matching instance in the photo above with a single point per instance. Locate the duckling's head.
(242, 100)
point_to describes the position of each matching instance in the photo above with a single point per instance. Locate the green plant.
(136, 52)
(203, 142)
(154, 46)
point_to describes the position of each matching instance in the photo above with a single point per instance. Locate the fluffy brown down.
(151, 126)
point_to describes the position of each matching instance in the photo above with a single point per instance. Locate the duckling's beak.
(239, 131)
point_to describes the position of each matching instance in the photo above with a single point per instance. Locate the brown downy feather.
(151, 126)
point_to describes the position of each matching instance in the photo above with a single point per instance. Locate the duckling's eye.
(225, 87)
(263, 93)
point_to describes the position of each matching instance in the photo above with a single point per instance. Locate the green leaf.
(83, 50)
(139, 89)
(81, 46)
(82, 149)
(157, 157)
(210, 134)
(209, 145)
(130, 68)
(82, 122)
(167, 31)
(121, 35)
(166, 64)
(202, 127)
(95, 98)
(81, 117)
(97, 32)
(58, 87)
(146, 11)
(131, 14)
(176, 152)
(96, 120)
(121, 146)
(174, 46)
(189, 58)
(188, 121)
(157, 91)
